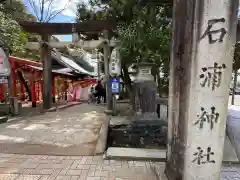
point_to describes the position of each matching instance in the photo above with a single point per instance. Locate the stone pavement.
(35, 167)
(72, 131)
(230, 172)
(43, 167)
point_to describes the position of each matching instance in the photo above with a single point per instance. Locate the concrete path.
(72, 131)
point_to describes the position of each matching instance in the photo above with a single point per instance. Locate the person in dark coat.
(100, 92)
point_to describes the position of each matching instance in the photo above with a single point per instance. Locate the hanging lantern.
(115, 63)
(5, 69)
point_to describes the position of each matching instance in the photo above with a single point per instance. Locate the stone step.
(136, 154)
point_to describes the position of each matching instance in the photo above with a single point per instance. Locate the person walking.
(99, 92)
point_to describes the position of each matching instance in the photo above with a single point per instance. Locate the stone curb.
(62, 107)
(102, 140)
(135, 154)
(43, 111)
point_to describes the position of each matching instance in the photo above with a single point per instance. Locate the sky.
(68, 15)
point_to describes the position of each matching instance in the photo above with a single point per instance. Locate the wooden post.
(47, 73)
(22, 91)
(37, 91)
(41, 86)
(33, 90)
(1, 93)
(65, 88)
(200, 75)
(53, 89)
(14, 78)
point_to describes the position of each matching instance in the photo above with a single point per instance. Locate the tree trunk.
(21, 78)
(158, 82)
(127, 81)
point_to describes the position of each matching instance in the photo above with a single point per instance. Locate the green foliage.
(10, 33)
(144, 32)
(145, 38)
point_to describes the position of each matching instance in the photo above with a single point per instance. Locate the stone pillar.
(106, 52)
(200, 71)
(47, 73)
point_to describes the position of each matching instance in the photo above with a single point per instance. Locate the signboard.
(4, 64)
(145, 71)
(115, 85)
(3, 80)
(115, 63)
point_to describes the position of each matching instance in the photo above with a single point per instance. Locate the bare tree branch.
(49, 10)
(44, 9)
(55, 13)
(34, 7)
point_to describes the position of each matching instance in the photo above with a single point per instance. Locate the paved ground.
(61, 130)
(33, 167)
(71, 131)
(230, 172)
(27, 109)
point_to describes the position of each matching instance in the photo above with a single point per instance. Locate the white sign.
(4, 64)
(115, 63)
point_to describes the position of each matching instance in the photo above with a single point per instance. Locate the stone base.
(136, 133)
(108, 112)
(146, 116)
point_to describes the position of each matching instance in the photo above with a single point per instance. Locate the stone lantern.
(145, 91)
(144, 72)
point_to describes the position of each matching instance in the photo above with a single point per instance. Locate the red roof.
(33, 65)
(25, 61)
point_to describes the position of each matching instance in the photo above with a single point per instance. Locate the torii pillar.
(200, 75)
(47, 73)
(106, 52)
